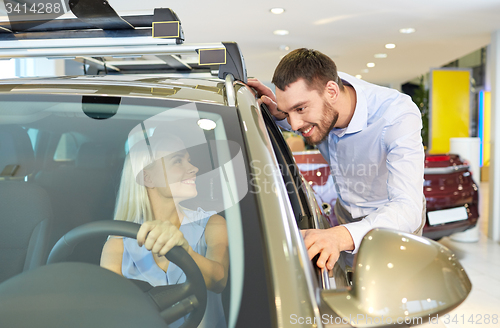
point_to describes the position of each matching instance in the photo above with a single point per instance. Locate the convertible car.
(67, 145)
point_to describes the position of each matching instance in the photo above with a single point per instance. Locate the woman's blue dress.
(138, 263)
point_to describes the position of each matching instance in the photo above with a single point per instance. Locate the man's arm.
(328, 243)
(405, 165)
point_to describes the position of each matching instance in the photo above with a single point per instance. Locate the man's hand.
(328, 243)
(266, 96)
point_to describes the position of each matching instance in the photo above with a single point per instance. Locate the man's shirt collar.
(359, 119)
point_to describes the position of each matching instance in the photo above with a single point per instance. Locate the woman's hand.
(161, 236)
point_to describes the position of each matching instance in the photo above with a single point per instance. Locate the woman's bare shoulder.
(216, 219)
(216, 229)
(113, 244)
(112, 253)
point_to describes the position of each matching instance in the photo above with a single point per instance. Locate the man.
(370, 136)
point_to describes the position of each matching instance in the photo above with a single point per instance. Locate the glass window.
(290, 173)
(146, 147)
(7, 68)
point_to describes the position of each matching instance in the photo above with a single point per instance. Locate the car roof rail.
(94, 37)
(230, 92)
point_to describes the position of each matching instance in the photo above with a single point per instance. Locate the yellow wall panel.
(450, 108)
(486, 127)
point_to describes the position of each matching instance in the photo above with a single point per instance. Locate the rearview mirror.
(399, 279)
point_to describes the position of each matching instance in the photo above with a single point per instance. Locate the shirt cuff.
(283, 123)
(358, 230)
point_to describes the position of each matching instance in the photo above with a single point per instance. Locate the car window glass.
(290, 174)
(88, 190)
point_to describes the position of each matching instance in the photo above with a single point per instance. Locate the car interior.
(58, 174)
(26, 205)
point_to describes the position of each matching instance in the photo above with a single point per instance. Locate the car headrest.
(17, 158)
(93, 155)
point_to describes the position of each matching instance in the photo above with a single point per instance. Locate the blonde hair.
(132, 201)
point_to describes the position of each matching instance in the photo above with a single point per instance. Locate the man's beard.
(328, 120)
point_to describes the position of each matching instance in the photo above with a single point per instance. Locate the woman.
(150, 192)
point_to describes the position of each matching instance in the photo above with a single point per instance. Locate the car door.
(297, 191)
(308, 214)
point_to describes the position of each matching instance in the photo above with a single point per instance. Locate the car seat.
(25, 210)
(83, 193)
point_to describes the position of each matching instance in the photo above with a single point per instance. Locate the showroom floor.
(481, 261)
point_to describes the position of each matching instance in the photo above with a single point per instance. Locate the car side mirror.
(398, 279)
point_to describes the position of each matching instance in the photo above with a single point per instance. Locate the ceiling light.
(277, 11)
(206, 124)
(366, 70)
(380, 56)
(370, 65)
(284, 47)
(281, 32)
(390, 46)
(358, 76)
(407, 30)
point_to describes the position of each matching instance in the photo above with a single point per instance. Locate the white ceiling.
(350, 32)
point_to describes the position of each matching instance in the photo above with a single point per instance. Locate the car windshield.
(67, 160)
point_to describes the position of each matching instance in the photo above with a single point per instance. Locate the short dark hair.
(311, 65)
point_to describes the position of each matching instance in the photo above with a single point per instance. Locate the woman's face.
(173, 175)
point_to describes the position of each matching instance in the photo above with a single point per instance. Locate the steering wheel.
(173, 301)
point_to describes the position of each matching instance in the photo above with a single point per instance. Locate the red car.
(451, 194)
(450, 191)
